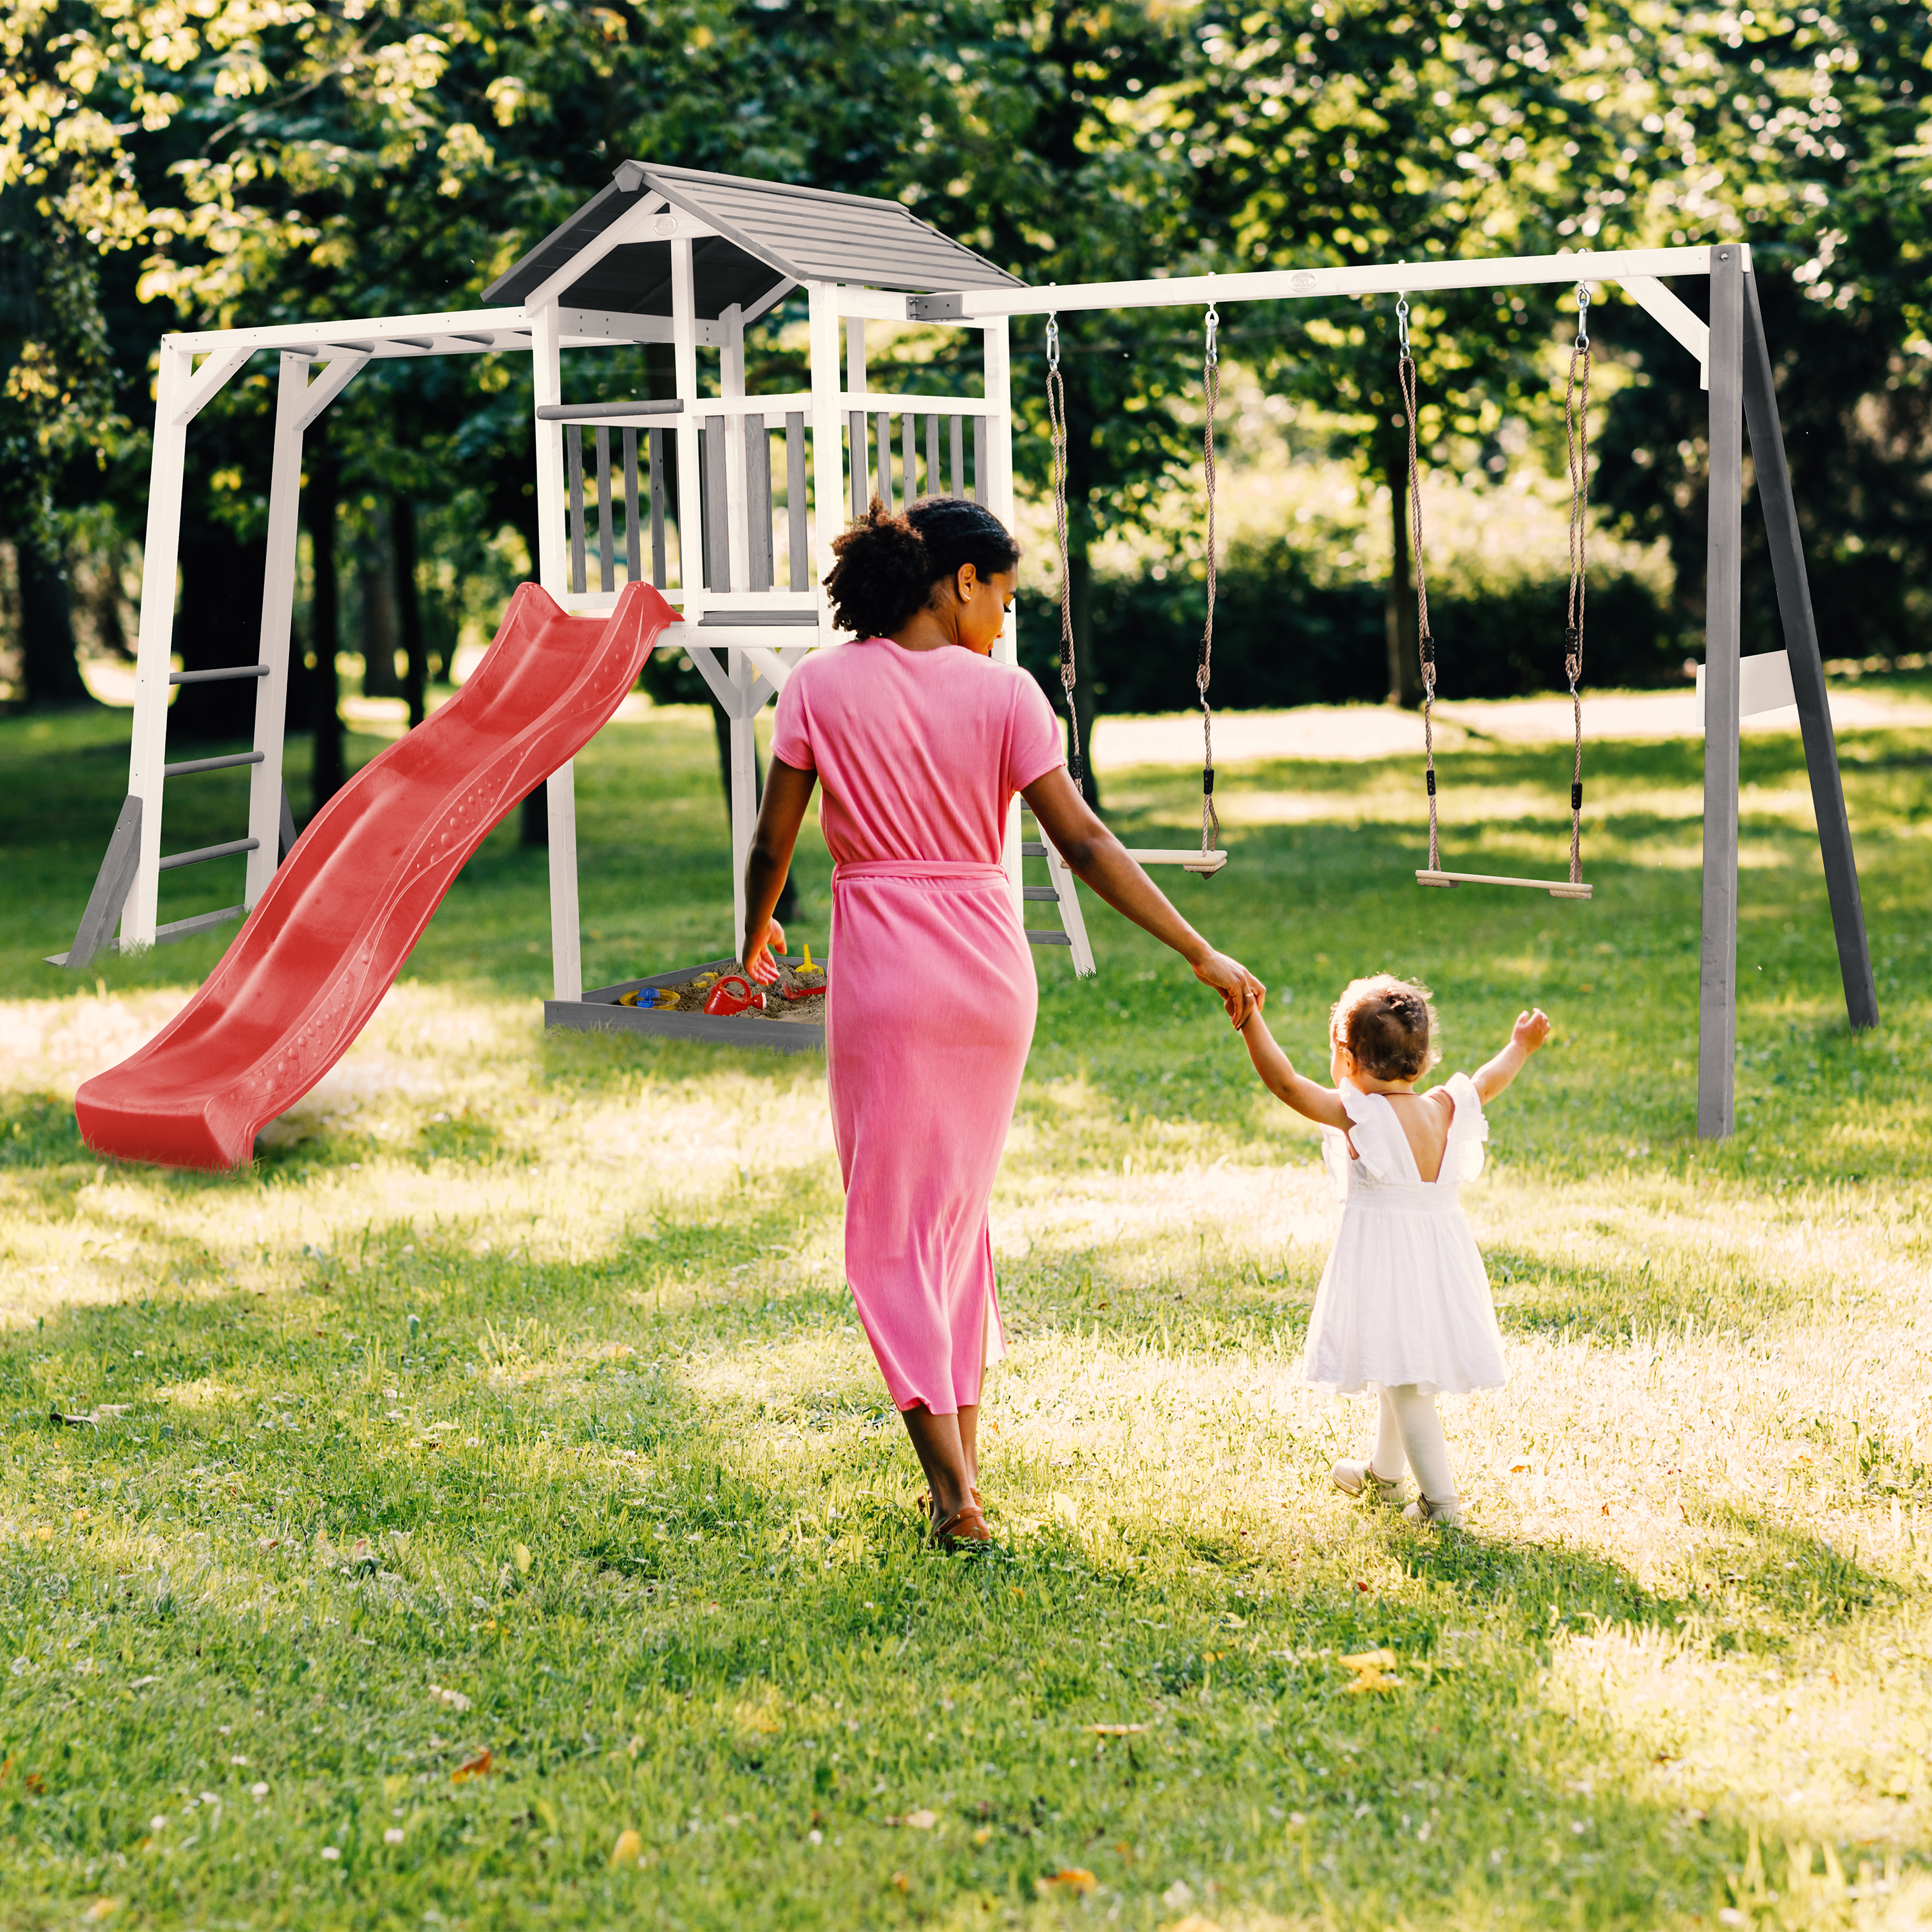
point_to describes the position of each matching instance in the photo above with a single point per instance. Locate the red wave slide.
(313, 961)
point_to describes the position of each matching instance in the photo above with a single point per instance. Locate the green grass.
(514, 1402)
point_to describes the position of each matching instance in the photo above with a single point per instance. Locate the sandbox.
(784, 1026)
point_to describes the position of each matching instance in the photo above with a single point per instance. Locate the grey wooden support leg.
(285, 837)
(1807, 667)
(1717, 978)
(112, 885)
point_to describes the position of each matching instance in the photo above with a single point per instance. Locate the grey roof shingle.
(768, 232)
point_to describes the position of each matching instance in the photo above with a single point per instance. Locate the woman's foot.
(1449, 1511)
(1352, 1479)
(964, 1526)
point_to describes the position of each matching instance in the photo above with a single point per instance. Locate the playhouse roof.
(770, 233)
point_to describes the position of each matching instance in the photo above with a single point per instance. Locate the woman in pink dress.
(921, 740)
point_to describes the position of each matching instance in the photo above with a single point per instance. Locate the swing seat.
(1557, 889)
(1204, 865)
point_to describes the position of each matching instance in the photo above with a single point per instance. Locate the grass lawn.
(494, 1518)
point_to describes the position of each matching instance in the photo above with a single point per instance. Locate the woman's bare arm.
(1320, 1104)
(1100, 860)
(788, 793)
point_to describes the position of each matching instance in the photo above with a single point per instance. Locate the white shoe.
(1448, 1510)
(1353, 1478)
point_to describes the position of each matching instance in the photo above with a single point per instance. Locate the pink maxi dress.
(930, 1012)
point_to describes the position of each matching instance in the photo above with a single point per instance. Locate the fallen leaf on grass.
(900, 1882)
(1117, 1730)
(36, 1783)
(629, 1845)
(1370, 1668)
(1194, 1922)
(1073, 1878)
(101, 1908)
(478, 1766)
(520, 1555)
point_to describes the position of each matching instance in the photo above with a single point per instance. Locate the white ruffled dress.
(1404, 1297)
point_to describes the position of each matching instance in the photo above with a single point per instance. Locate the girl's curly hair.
(888, 563)
(1388, 1024)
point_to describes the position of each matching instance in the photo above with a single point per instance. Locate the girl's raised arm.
(1531, 1030)
(1320, 1104)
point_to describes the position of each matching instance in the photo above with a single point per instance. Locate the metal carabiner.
(1582, 315)
(1402, 322)
(1213, 322)
(1053, 340)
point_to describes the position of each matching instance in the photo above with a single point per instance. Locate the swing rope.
(1576, 431)
(1056, 420)
(1210, 380)
(1404, 370)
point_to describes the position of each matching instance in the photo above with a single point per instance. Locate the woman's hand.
(1241, 993)
(758, 954)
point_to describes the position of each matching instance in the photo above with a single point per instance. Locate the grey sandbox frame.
(597, 1012)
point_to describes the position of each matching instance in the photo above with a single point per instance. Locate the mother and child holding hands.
(921, 740)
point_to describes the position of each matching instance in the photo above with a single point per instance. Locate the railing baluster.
(909, 461)
(935, 485)
(757, 503)
(606, 567)
(886, 460)
(978, 459)
(573, 464)
(801, 562)
(959, 456)
(660, 575)
(858, 465)
(717, 526)
(633, 562)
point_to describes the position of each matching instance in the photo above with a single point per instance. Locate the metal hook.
(1402, 322)
(1214, 323)
(1582, 315)
(1053, 340)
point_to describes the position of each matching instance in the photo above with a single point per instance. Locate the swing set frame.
(1736, 368)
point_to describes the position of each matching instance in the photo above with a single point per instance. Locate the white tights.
(1408, 1434)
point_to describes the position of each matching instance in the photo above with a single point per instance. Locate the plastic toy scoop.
(734, 994)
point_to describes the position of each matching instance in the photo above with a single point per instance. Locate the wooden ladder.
(1062, 893)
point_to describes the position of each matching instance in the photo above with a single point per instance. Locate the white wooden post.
(737, 495)
(828, 473)
(278, 601)
(744, 787)
(996, 492)
(148, 750)
(552, 567)
(690, 427)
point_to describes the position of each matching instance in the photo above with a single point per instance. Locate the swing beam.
(1735, 366)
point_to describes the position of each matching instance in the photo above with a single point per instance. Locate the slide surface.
(313, 959)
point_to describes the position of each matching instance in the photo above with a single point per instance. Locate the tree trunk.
(50, 672)
(409, 609)
(326, 718)
(376, 572)
(1405, 673)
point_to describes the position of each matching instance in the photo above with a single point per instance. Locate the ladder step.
(215, 676)
(195, 858)
(187, 765)
(1038, 938)
(1043, 892)
(1032, 848)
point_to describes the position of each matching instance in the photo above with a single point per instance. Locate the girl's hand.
(1241, 993)
(1531, 1030)
(758, 954)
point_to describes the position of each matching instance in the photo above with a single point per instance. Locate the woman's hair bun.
(889, 561)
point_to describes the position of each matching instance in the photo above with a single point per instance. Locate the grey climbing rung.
(187, 765)
(195, 858)
(1031, 848)
(1050, 938)
(216, 677)
(1039, 892)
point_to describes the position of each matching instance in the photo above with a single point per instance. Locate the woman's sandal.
(965, 1526)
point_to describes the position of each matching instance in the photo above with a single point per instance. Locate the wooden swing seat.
(1557, 889)
(1205, 864)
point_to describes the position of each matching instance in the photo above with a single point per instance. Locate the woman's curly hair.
(888, 563)
(1388, 1024)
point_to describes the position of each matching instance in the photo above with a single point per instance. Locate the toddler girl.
(1404, 1302)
